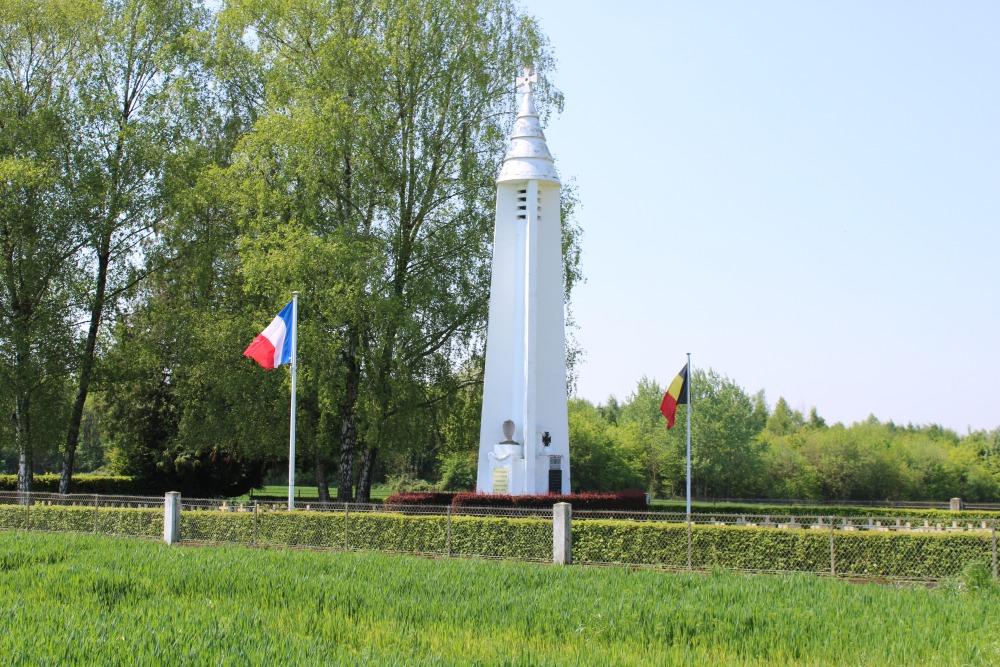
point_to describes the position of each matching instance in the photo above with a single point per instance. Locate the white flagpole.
(291, 435)
(687, 390)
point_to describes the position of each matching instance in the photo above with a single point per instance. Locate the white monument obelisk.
(524, 436)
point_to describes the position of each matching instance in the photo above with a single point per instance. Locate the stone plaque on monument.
(555, 474)
(501, 478)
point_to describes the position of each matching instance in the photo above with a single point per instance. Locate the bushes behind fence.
(523, 539)
(863, 553)
(750, 509)
(106, 485)
(125, 521)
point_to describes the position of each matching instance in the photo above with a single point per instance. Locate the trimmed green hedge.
(109, 485)
(870, 553)
(863, 553)
(673, 506)
(503, 538)
(133, 522)
(470, 536)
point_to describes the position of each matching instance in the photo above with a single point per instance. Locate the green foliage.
(784, 420)
(407, 482)
(975, 578)
(875, 461)
(212, 526)
(598, 464)
(867, 553)
(458, 472)
(646, 443)
(221, 605)
(470, 536)
(741, 450)
(727, 420)
(368, 197)
(726, 455)
(529, 539)
(863, 553)
(846, 510)
(86, 484)
(123, 521)
(40, 218)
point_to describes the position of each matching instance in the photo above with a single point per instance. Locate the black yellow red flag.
(677, 394)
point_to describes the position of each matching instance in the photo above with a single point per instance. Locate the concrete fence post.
(562, 534)
(956, 505)
(172, 517)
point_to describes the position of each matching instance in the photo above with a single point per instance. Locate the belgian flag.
(677, 394)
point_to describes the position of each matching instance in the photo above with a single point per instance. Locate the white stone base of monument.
(507, 469)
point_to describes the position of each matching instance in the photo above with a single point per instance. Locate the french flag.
(273, 347)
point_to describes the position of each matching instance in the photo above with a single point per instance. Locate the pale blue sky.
(804, 195)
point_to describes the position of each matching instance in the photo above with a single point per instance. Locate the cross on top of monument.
(527, 80)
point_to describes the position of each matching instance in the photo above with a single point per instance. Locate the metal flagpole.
(687, 390)
(291, 435)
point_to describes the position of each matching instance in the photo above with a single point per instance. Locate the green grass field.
(92, 600)
(379, 492)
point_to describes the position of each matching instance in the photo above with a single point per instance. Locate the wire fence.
(523, 534)
(888, 504)
(119, 516)
(863, 547)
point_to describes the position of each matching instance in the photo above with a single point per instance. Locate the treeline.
(741, 449)
(171, 171)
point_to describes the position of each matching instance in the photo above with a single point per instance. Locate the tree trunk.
(365, 478)
(25, 455)
(322, 480)
(86, 368)
(348, 423)
(22, 404)
(349, 435)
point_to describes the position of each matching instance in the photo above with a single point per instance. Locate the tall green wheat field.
(103, 601)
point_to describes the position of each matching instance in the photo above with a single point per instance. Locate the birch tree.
(378, 131)
(40, 240)
(140, 76)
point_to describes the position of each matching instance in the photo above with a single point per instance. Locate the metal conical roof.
(528, 157)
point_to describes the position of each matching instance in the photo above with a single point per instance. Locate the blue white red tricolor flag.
(273, 347)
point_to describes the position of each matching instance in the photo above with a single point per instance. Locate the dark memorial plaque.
(555, 474)
(555, 481)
